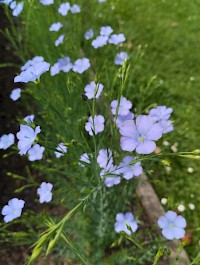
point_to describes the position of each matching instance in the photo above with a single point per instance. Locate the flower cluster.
(65, 8)
(161, 115)
(172, 225)
(15, 7)
(32, 70)
(105, 37)
(26, 137)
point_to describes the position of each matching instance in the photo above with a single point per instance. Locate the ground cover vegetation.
(111, 92)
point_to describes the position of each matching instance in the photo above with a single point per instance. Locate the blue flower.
(29, 119)
(172, 225)
(32, 71)
(100, 41)
(44, 192)
(129, 171)
(96, 125)
(106, 31)
(124, 106)
(56, 26)
(89, 34)
(63, 64)
(64, 8)
(13, 209)
(46, 2)
(122, 220)
(62, 150)
(116, 39)
(105, 158)
(15, 94)
(122, 118)
(59, 40)
(121, 57)
(93, 90)
(75, 9)
(84, 159)
(18, 9)
(111, 175)
(140, 136)
(81, 65)
(35, 152)
(160, 113)
(6, 141)
(26, 137)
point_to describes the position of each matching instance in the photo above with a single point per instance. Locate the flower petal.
(146, 147)
(128, 144)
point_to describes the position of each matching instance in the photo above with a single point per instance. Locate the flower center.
(141, 139)
(171, 225)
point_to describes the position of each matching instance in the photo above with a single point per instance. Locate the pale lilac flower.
(121, 119)
(64, 8)
(75, 9)
(35, 152)
(46, 2)
(13, 5)
(56, 26)
(129, 171)
(166, 126)
(6, 141)
(106, 31)
(13, 209)
(26, 137)
(116, 39)
(93, 90)
(15, 94)
(160, 113)
(100, 41)
(81, 65)
(102, 1)
(104, 158)
(44, 192)
(124, 220)
(95, 126)
(140, 136)
(29, 119)
(55, 69)
(89, 34)
(172, 225)
(62, 150)
(121, 57)
(18, 9)
(35, 60)
(124, 106)
(59, 40)
(84, 159)
(111, 175)
(6, 2)
(33, 72)
(63, 64)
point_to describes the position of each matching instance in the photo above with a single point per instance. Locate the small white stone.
(190, 170)
(191, 206)
(164, 201)
(181, 208)
(165, 143)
